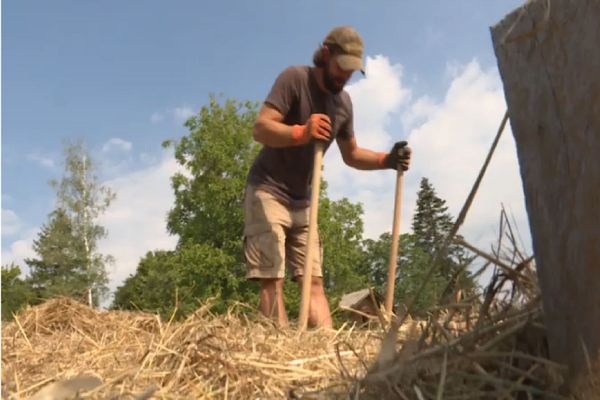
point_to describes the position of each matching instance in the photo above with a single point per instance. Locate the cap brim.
(349, 62)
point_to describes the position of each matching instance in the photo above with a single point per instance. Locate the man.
(305, 104)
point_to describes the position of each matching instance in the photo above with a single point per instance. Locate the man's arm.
(359, 158)
(269, 129)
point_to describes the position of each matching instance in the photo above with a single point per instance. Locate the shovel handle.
(389, 298)
(312, 235)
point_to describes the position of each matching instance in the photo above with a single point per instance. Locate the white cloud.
(117, 144)
(450, 138)
(182, 114)
(450, 148)
(44, 161)
(156, 118)
(11, 223)
(418, 112)
(178, 114)
(376, 98)
(20, 249)
(136, 220)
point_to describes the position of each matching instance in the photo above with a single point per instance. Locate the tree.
(61, 266)
(431, 224)
(341, 232)
(208, 218)
(431, 221)
(377, 255)
(76, 265)
(175, 281)
(217, 155)
(16, 292)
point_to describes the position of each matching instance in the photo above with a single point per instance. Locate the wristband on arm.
(299, 134)
(381, 159)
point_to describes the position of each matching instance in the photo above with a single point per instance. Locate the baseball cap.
(350, 47)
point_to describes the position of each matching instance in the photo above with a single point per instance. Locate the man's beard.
(330, 84)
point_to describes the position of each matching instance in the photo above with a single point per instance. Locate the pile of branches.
(484, 347)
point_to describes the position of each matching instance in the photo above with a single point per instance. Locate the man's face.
(334, 77)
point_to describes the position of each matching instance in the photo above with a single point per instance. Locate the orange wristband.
(381, 158)
(298, 134)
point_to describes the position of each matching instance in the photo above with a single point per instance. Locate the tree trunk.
(549, 60)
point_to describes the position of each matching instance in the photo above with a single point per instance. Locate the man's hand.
(318, 126)
(399, 155)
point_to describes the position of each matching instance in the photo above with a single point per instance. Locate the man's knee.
(316, 285)
(271, 284)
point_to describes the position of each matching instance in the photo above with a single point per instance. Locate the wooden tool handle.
(389, 298)
(312, 235)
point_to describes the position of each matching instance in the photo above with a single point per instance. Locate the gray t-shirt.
(286, 172)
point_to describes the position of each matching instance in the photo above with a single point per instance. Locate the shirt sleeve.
(284, 92)
(347, 129)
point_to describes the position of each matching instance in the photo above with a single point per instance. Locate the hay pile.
(480, 347)
(204, 356)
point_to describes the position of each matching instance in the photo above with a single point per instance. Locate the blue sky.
(123, 75)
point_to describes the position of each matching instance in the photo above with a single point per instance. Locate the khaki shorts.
(275, 237)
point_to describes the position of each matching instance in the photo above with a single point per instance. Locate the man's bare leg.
(318, 310)
(271, 301)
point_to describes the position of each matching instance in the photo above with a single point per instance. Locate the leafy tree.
(208, 218)
(377, 255)
(341, 232)
(16, 292)
(69, 261)
(216, 154)
(168, 281)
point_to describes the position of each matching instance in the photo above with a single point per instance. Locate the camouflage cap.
(349, 45)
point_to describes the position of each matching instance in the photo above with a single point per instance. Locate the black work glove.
(399, 155)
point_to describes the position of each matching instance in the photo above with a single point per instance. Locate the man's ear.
(325, 53)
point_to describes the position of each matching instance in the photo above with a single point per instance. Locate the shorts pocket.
(261, 250)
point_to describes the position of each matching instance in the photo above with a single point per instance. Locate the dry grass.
(499, 350)
(204, 356)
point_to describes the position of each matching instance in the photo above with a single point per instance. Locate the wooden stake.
(312, 235)
(389, 298)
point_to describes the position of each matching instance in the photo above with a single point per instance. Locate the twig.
(440, 392)
(23, 332)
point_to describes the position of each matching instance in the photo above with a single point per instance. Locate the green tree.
(16, 292)
(67, 247)
(60, 268)
(208, 218)
(341, 232)
(168, 281)
(216, 155)
(431, 221)
(431, 224)
(377, 255)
